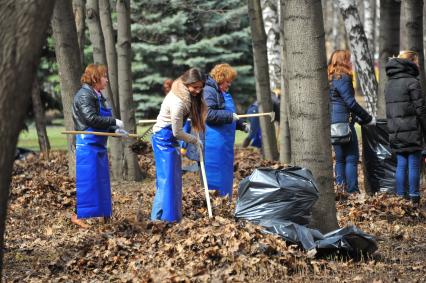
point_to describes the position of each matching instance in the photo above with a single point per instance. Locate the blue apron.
(167, 204)
(219, 153)
(92, 173)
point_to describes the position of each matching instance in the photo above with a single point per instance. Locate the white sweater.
(174, 111)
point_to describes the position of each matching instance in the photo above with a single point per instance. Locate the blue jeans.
(346, 169)
(412, 160)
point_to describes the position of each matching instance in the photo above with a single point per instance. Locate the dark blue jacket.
(343, 102)
(216, 113)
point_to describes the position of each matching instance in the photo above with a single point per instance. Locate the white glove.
(122, 132)
(235, 117)
(372, 122)
(246, 127)
(119, 123)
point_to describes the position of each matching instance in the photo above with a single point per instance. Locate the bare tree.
(285, 141)
(80, 16)
(309, 114)
(98, 43)
(116, 145)
(359, 48)
(23, 25)
(127, 107)
(263, 90)
(39, 118)
(413, 22)
(69, 66)
(270, 19)
(388, 46)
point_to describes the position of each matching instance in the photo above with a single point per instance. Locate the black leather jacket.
(85, 111)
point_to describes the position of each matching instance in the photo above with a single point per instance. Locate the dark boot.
(415, 201)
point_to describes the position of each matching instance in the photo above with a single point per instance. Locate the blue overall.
(219, 153)
(168, 196)
(92, 173)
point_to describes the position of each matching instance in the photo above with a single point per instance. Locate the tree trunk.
(98, 44)
(116, 145)
(403, 29)
(388, 45)
(309, 114)
(336, 28)
(414, 26)
(127, 107)
(285, 141)
(22, 32)
(80, 16)
(68, 58)
(270, 19)
(40, 121)
(359, 49)
(111, 52)
(370, 24)
(263, 90)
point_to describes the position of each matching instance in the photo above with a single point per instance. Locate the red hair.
(93, 74)
(339, 64)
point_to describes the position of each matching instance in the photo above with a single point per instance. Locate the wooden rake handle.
(98, 134)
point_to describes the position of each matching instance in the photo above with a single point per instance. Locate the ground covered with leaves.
(43, 245)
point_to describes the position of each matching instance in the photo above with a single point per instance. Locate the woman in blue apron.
(90, 113)
(183, 101)
(221, 123)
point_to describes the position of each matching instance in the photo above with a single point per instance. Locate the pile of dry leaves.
(42, 244)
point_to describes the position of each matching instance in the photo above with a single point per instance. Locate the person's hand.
(235, 117)
(246, 127)
(122, 132)
(372, 122)
(119, 123)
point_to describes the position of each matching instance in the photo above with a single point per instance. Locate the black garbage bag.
(380, 163)
(293, 233)
(348, 239)
(345, 241)
(22, 153)
(287, 194)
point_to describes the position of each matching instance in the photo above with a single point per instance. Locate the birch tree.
(68, 57)
(263, 90)
(270, 20)
(127, 107)
(369, 24)
(388, 46)
(23, 25)
(308, 102)
(413, 22)
(359, 49)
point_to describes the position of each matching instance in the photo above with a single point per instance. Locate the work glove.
(246, 127)
(372, 122)
(119, 123)
(183, 151)
(122, 132)
(235, 117)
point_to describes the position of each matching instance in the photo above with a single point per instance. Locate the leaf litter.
(43, 246)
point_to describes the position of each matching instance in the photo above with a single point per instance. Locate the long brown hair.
(339, 64)
(198, 110)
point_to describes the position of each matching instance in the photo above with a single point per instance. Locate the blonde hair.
(409, 55)
(339, 64)
(222, 72)
(93, 74)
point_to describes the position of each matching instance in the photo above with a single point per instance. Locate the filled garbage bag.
(287, 194)
(380, 163)
(348, 240)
